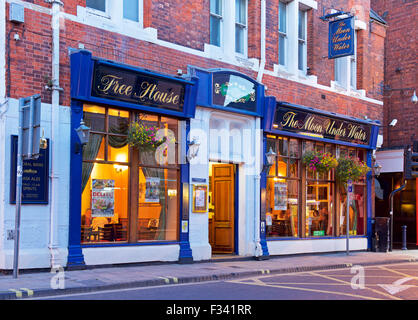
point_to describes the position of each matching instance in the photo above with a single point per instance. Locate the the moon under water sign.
(341, 38)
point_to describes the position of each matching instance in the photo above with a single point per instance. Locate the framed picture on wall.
(200, 198)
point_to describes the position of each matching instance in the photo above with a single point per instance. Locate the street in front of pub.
(332, 276)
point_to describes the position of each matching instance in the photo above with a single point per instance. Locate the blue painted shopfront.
(273, 123)
(84, 71)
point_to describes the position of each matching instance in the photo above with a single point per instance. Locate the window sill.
(99, 19)
(218, 53)
(126, 244)
(359, 93)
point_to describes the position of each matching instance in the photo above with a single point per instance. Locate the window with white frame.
(131, 10)
(302, 47)
(240, 26)
(282, 33)
(96, 4)
(216, 12)
(345, 69)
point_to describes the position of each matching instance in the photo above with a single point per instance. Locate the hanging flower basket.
(143, 137)
(318, 161)
(351, 169)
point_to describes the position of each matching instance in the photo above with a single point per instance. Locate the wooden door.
(223, 193)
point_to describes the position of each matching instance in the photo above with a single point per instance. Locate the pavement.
(58, 282)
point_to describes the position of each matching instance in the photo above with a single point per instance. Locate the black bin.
(382, 234)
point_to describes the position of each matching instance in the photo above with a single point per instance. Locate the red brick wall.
(401, 47)
(187, 23)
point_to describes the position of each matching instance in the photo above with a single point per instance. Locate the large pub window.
(357, 209)
(282, 196)
(128, 195)
(320, 200)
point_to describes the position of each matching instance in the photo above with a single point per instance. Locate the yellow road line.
(18, 293)
(398, 272)
(349, 283)
(260, 283)
(28, 291)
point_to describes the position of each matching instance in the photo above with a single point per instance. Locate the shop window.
(105, 176)
(320, 207)
(113, 172)
(357, 206)
(282, 189)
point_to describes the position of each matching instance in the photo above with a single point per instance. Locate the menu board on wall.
(35, 179)
(102, 198)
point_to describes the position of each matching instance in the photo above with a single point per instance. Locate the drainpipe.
(263, 41)
(53, 231)
(257, 177)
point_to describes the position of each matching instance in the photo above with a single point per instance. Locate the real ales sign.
(341, 38)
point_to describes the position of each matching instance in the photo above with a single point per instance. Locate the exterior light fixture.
(83, 133)
(414, 98)
(193, 149)
(270, 157)
(377, 168)
(43, 143)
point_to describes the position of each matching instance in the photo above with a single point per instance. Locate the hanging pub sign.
(234, 91)
(35, 178)
(132, 86)
(321, 126)
(341, 38)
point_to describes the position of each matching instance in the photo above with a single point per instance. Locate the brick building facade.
(170, 38)
(399, 87)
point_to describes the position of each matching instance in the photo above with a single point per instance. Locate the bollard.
(404, 238)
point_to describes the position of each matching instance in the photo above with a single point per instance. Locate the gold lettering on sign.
(150, 91)
(289, 120)
(341, 34)
(324, 126)
(111, 84)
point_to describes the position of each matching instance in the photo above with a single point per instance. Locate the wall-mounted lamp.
(414, 98)
(43, 142)
(193, 149)
(83, 133)
(270, 158)
(376, 169)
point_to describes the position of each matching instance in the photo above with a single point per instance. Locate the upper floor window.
(345, 70)
(215, 22)
(302, 41)
(131, 10)
(282, 33)
(96, 4)
(240, 25)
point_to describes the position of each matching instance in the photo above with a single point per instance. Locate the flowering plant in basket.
(318, 161)
(143, 137)
(351, 169)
